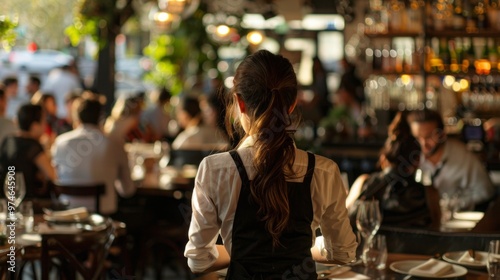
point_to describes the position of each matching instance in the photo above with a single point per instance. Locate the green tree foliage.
(7, 34)
(186, 52)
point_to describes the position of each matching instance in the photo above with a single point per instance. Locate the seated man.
(86, 156)
(454, 170)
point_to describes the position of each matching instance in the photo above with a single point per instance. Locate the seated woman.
(123, 123)
(403, 201)
(196, 134)
(26, 154)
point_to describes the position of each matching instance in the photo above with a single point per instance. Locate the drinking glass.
(368, 218)
(14, 187)
(493, 263)
(28, 220)
(375, 252)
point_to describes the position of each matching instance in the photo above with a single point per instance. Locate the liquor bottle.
(453, 57)
(469, 15)
(480, 11)
(458, 16)
(469, 57)
(444, 55)
(492, 54)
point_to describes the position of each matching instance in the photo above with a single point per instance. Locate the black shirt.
(21, 152)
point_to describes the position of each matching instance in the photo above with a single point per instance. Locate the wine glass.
(493, 263)
(368, 220)
(14, 187)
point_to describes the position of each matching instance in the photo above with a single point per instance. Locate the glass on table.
(368, 218)
(14, 187)
(493, 263)
(28, 220)
(375, 252)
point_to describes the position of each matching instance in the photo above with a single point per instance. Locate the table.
(386, 274)
(168, 182)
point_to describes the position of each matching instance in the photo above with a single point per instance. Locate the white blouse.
(215, 198)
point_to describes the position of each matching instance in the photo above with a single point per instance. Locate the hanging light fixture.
(168, 14)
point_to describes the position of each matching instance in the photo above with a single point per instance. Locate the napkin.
(467, 259)
(79, 213)
(431, 268)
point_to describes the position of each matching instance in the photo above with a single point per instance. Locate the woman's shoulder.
(321, 162)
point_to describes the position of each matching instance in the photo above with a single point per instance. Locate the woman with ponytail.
(266, 198)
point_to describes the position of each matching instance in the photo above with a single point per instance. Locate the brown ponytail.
(268, 86)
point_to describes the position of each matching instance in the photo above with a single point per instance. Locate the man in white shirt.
(454, 170)
(61, 82)
(86, 156)
(7, 127)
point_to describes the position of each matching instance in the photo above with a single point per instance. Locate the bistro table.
(358, 271)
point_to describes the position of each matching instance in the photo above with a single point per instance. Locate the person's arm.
(43, 163)
(201, 251)
(126, 186)
(339, 239)
(355, 190)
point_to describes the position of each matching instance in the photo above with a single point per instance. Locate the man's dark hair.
(426, 115)
(35, 80)
(191, 105)
(27, 115)
(9, 81)
(164, 96)
(89, 111)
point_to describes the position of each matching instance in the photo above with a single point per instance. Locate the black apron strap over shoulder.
(240, 166)
(311, 163)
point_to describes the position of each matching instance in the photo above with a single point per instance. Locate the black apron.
(253, 255)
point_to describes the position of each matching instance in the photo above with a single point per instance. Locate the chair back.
(95, 243)
(93, 191)
(178, 158)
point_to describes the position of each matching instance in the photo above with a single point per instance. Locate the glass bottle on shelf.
(470, 16)
(458, 16)
(444, 55)
(492, 54)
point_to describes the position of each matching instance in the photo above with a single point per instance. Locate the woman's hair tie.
(275, 91)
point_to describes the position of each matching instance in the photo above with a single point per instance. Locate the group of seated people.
(91, 149)
(416, 145)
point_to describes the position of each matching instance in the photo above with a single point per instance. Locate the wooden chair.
(93, 244)
(95, 191)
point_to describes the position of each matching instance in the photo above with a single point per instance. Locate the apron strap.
(240, 166)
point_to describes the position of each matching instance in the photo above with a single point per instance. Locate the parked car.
(40, 61)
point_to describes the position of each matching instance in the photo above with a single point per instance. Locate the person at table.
(86, 156)
(490, 221)
(157, 118)
(403, 201)
(7, 126)
(453, 169)
(26, 154)
(267, 198)
(196, 134)
(123, 124)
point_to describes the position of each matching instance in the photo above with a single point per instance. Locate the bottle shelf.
(490, 33)
(393, 34)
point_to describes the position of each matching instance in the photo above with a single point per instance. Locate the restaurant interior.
(360, 66)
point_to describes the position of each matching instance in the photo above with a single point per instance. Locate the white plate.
(468, 216)
(405, 266)
(457, 224)
(454, 257)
